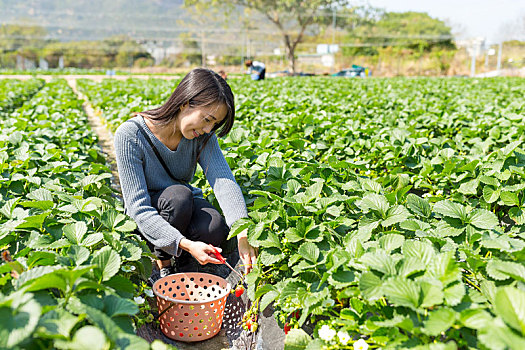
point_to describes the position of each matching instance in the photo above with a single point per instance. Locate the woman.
(157, 153)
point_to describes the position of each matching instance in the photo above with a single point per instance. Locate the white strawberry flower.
(139, 300)
(360, 345)
(326, 333)
(328, 302)
(149, 293)
(343, 336)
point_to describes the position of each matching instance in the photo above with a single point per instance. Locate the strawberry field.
(389, 212)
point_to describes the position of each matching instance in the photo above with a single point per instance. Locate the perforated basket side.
(195, 305)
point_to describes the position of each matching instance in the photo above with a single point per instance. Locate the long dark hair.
(200, 87)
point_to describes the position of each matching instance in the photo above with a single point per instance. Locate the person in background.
(157, 154)
(256, 69)
(223, 74)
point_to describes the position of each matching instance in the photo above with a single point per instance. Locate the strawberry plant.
(71, 265)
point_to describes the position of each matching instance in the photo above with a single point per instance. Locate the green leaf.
(518, 215)
(475, 318)
(510, 198)
(510, 305)
(78, 254)
(439, 321)
(268, 298)
(130, 251)
(92, 239)
(75, 232)
(409, 266)
(116, 306)
(314, 191)
(110, 327)
(296, 339)
(40, 259)
(43, 205)
(374, 202)
(418, 205)
(86, 338)
(402, 292)
(419, 250)
(341, 279)
(33, 274)
(370, 185)
(108, 262)
(395, 214)
(309, 251)
(451, 209)
(487, 180)
(371, 286)
(470, 187)
(499, 336)
(293, 186)
(260, 202)
(482, 218)
(34, 221)
(502, 270)
(270, 256)
(432, 293)
(57, 322)
(379, 261)
(444, 268)
(454, 294)
(19, 320)
(391, 242)
(126, 226)
(490, 195)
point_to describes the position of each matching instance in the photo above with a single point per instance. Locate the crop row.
(14, 92)
(72, 266)
(118, 100)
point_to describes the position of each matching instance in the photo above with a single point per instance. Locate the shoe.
(154, 277)
(165, 271)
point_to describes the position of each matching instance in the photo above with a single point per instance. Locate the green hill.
(67, 20)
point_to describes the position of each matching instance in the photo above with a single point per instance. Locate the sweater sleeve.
(136, 197)
(221, 180)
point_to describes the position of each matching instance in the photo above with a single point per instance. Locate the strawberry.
(239, 290)
(296, 314)
(287, 328)
(249, 324)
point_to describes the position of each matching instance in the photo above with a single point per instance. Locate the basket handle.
(172, 304)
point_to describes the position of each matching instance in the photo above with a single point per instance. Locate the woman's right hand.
(201, 251)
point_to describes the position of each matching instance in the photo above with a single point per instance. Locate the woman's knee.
(209, 226)
(175, 205)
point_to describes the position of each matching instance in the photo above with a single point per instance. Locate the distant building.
(476, 46)
(160, 51)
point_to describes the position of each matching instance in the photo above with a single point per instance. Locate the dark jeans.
(195, 218)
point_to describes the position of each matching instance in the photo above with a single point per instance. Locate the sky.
(483, 18)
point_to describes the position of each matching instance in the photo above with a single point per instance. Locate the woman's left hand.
(247, 253)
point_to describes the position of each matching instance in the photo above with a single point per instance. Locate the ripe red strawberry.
(249, 324)
(239, 290)
(287, 328)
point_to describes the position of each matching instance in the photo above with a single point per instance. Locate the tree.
(413, 30)
(291, 17)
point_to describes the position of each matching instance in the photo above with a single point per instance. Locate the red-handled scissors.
(222, 260)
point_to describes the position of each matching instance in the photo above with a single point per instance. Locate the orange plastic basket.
(191, 305)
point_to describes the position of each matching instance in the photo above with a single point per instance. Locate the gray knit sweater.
(141, 174)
